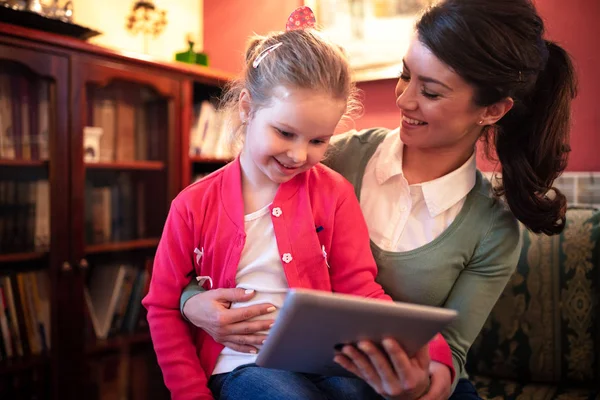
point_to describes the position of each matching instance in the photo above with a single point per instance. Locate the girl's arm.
(172, 337)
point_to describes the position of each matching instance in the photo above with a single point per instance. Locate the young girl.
(271, 220)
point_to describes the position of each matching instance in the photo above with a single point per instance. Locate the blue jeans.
(253, 382)
(464, 391)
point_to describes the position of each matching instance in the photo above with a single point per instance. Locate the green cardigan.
(465, 268)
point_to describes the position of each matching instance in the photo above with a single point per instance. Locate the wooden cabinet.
(93, 147)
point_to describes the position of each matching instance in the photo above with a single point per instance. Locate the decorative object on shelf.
(15, 4)
(35, 6)
(64, 13)
(44, 8)
(190, 56)
(91, 143)
(147, 19)
(51, 18)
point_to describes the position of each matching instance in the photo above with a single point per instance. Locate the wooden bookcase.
(65, 218)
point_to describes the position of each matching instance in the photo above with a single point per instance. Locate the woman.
(476, 69)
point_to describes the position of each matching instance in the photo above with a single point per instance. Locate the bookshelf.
(132, 165)
(122, 246)
(118, 344)
(24, 163)
(209, 160)
(194, 166)
(94, 145)
(20, 257)
(24, 364)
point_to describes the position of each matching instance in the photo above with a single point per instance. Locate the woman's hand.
(394, 375)
(441, 382)
(210, 311)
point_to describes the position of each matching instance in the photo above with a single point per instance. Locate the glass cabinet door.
(33, 208)
(125, 145)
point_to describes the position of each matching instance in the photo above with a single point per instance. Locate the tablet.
(311, 323)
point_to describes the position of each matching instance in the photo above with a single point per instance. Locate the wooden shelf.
(23, 163)
(200, 73)
(121, 246)
(19, 257)
(128, 165)
(23, 363)
(119, 343)
(207, 160)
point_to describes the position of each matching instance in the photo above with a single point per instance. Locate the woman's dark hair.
(498, 47)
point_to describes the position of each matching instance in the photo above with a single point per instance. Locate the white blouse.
(403, 217)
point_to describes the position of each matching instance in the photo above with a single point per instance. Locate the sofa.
(542, 339)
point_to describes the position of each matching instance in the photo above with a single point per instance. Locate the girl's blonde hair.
(305, 60)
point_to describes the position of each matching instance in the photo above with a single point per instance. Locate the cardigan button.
(287, 257)
(276, 212)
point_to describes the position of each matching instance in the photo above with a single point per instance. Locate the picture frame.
(374, 33)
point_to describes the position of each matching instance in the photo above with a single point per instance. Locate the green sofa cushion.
(545, 326)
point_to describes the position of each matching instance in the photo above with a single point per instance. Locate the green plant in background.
(190, 56)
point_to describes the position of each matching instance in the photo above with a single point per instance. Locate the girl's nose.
(298, 154)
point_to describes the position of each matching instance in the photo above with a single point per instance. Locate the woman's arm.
(394, 375)
(209, 310)
(353, 268)
(480, 284)
(172, 337)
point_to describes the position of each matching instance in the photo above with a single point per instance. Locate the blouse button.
(287, 257)
(276, 212)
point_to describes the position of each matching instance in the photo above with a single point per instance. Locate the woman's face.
(437, 106)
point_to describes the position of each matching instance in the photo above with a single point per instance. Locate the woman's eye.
(404, 77)
(429, 95)
(317, 141)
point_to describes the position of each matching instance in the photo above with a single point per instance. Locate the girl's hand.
(391, 373)
(210, 311)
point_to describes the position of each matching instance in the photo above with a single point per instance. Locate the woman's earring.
(481, 122)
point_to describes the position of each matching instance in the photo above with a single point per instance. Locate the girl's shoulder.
(321, 176)
(201, 188)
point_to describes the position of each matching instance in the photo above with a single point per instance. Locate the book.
(104, 116)
(126, 133)
(12, 315)
(7, 146)
(102, 294)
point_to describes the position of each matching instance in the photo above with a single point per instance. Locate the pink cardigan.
(314, 209)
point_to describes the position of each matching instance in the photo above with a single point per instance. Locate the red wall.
(228, 23)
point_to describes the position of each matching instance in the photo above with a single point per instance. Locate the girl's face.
(288, 136)
(436, 103)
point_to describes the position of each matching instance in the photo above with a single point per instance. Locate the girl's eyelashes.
(405, 77)
(284, 133)
(289, 135)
